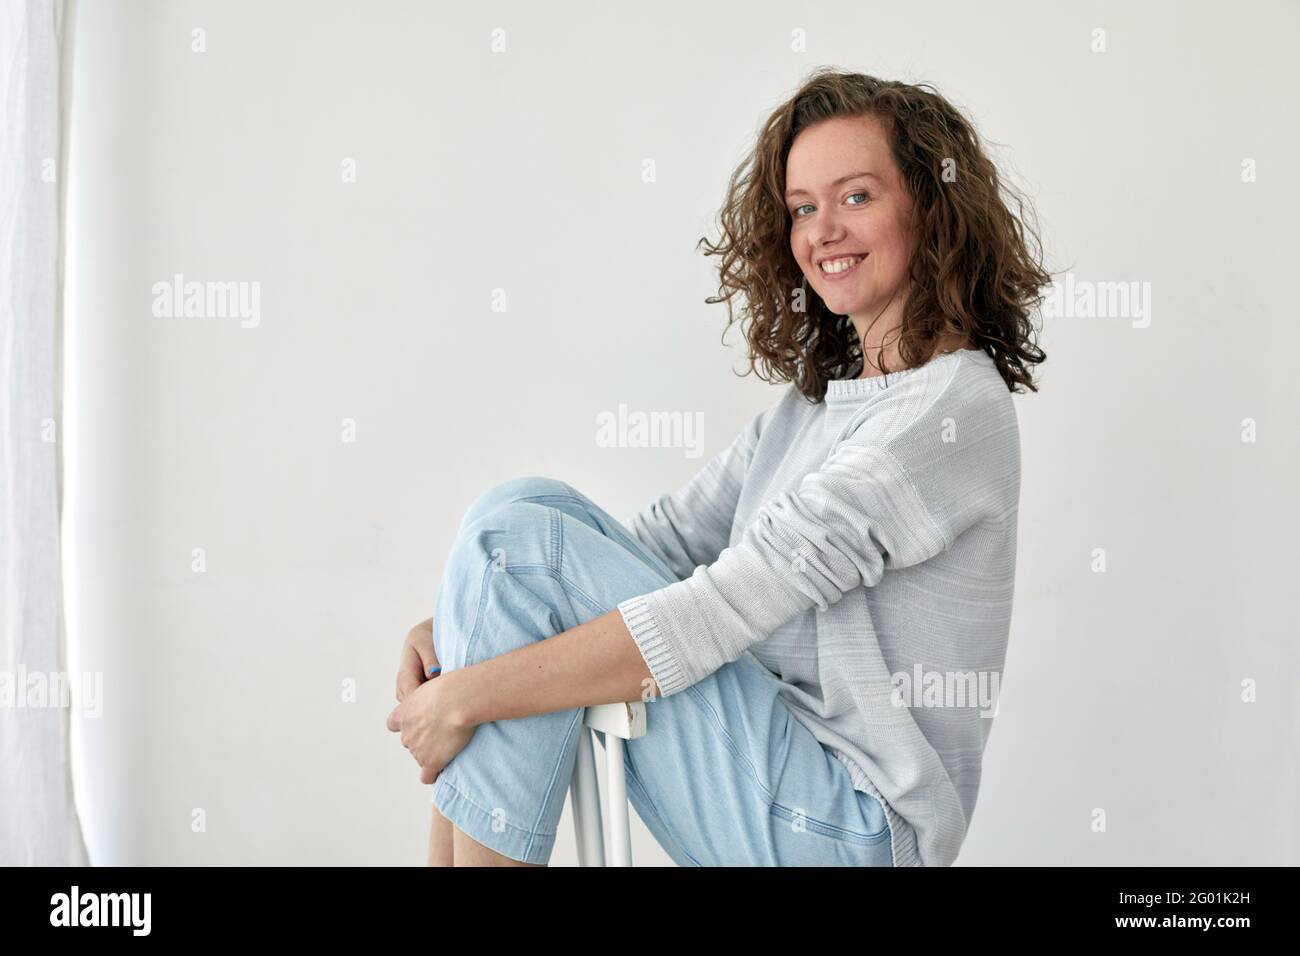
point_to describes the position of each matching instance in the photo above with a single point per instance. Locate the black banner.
(234, 904)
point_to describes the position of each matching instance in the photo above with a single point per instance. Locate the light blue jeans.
(724, 775)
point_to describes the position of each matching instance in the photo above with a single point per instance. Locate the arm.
(692, 627)
(596, 662)
(894, 493)
(691, 526)
(879, 501)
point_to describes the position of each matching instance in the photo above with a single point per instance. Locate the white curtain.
(38, 818)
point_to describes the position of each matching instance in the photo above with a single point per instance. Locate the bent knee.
(511, 491)
(512, 533)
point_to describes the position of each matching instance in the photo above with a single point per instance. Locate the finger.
(410, 672)
(428, 659)
(427, 775)
(395, 720)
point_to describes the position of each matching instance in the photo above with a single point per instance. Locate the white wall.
(522, 171)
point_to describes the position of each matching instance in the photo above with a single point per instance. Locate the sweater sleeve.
(878, 502)
(691, 526)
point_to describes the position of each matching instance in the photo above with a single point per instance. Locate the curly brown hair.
(972, 275)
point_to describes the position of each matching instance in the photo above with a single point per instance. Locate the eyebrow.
(843, 179)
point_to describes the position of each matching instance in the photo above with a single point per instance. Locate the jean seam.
(478, 613)
(596, 607)
(557, 531)
(775, 807)
(832, 831)
(557, 537)
(634, 781)
(555, 771)
(703, 703)
(542, 569)
(586, 506)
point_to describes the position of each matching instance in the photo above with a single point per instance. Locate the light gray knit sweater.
(863, 549)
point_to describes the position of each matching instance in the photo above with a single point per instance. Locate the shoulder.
(958, 391)
(951, 438)
(952, 431)
(790, 404)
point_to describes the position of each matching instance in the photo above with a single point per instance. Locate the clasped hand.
(427, 714)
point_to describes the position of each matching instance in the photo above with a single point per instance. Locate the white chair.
(618, 722)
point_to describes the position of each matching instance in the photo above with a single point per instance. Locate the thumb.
(395, 719)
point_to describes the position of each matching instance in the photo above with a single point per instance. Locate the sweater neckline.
(844, 389)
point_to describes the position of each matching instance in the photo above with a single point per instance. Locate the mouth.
(835, 270)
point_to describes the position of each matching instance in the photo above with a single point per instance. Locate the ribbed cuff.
(659, 657)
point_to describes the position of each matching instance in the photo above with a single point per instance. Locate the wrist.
(459, 687)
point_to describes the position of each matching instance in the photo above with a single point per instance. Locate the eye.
(865, 197)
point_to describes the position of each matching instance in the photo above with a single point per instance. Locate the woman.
(815, 619)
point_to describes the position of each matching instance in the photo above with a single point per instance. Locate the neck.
(890, 358)
(880, 327)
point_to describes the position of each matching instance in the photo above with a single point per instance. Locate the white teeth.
(833, 266)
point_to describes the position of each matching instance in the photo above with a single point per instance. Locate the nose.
(826, 231)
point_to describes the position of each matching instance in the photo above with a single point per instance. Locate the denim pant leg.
(504, 586)
(724, 775)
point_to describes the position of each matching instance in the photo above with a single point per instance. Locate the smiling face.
(849, 208)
